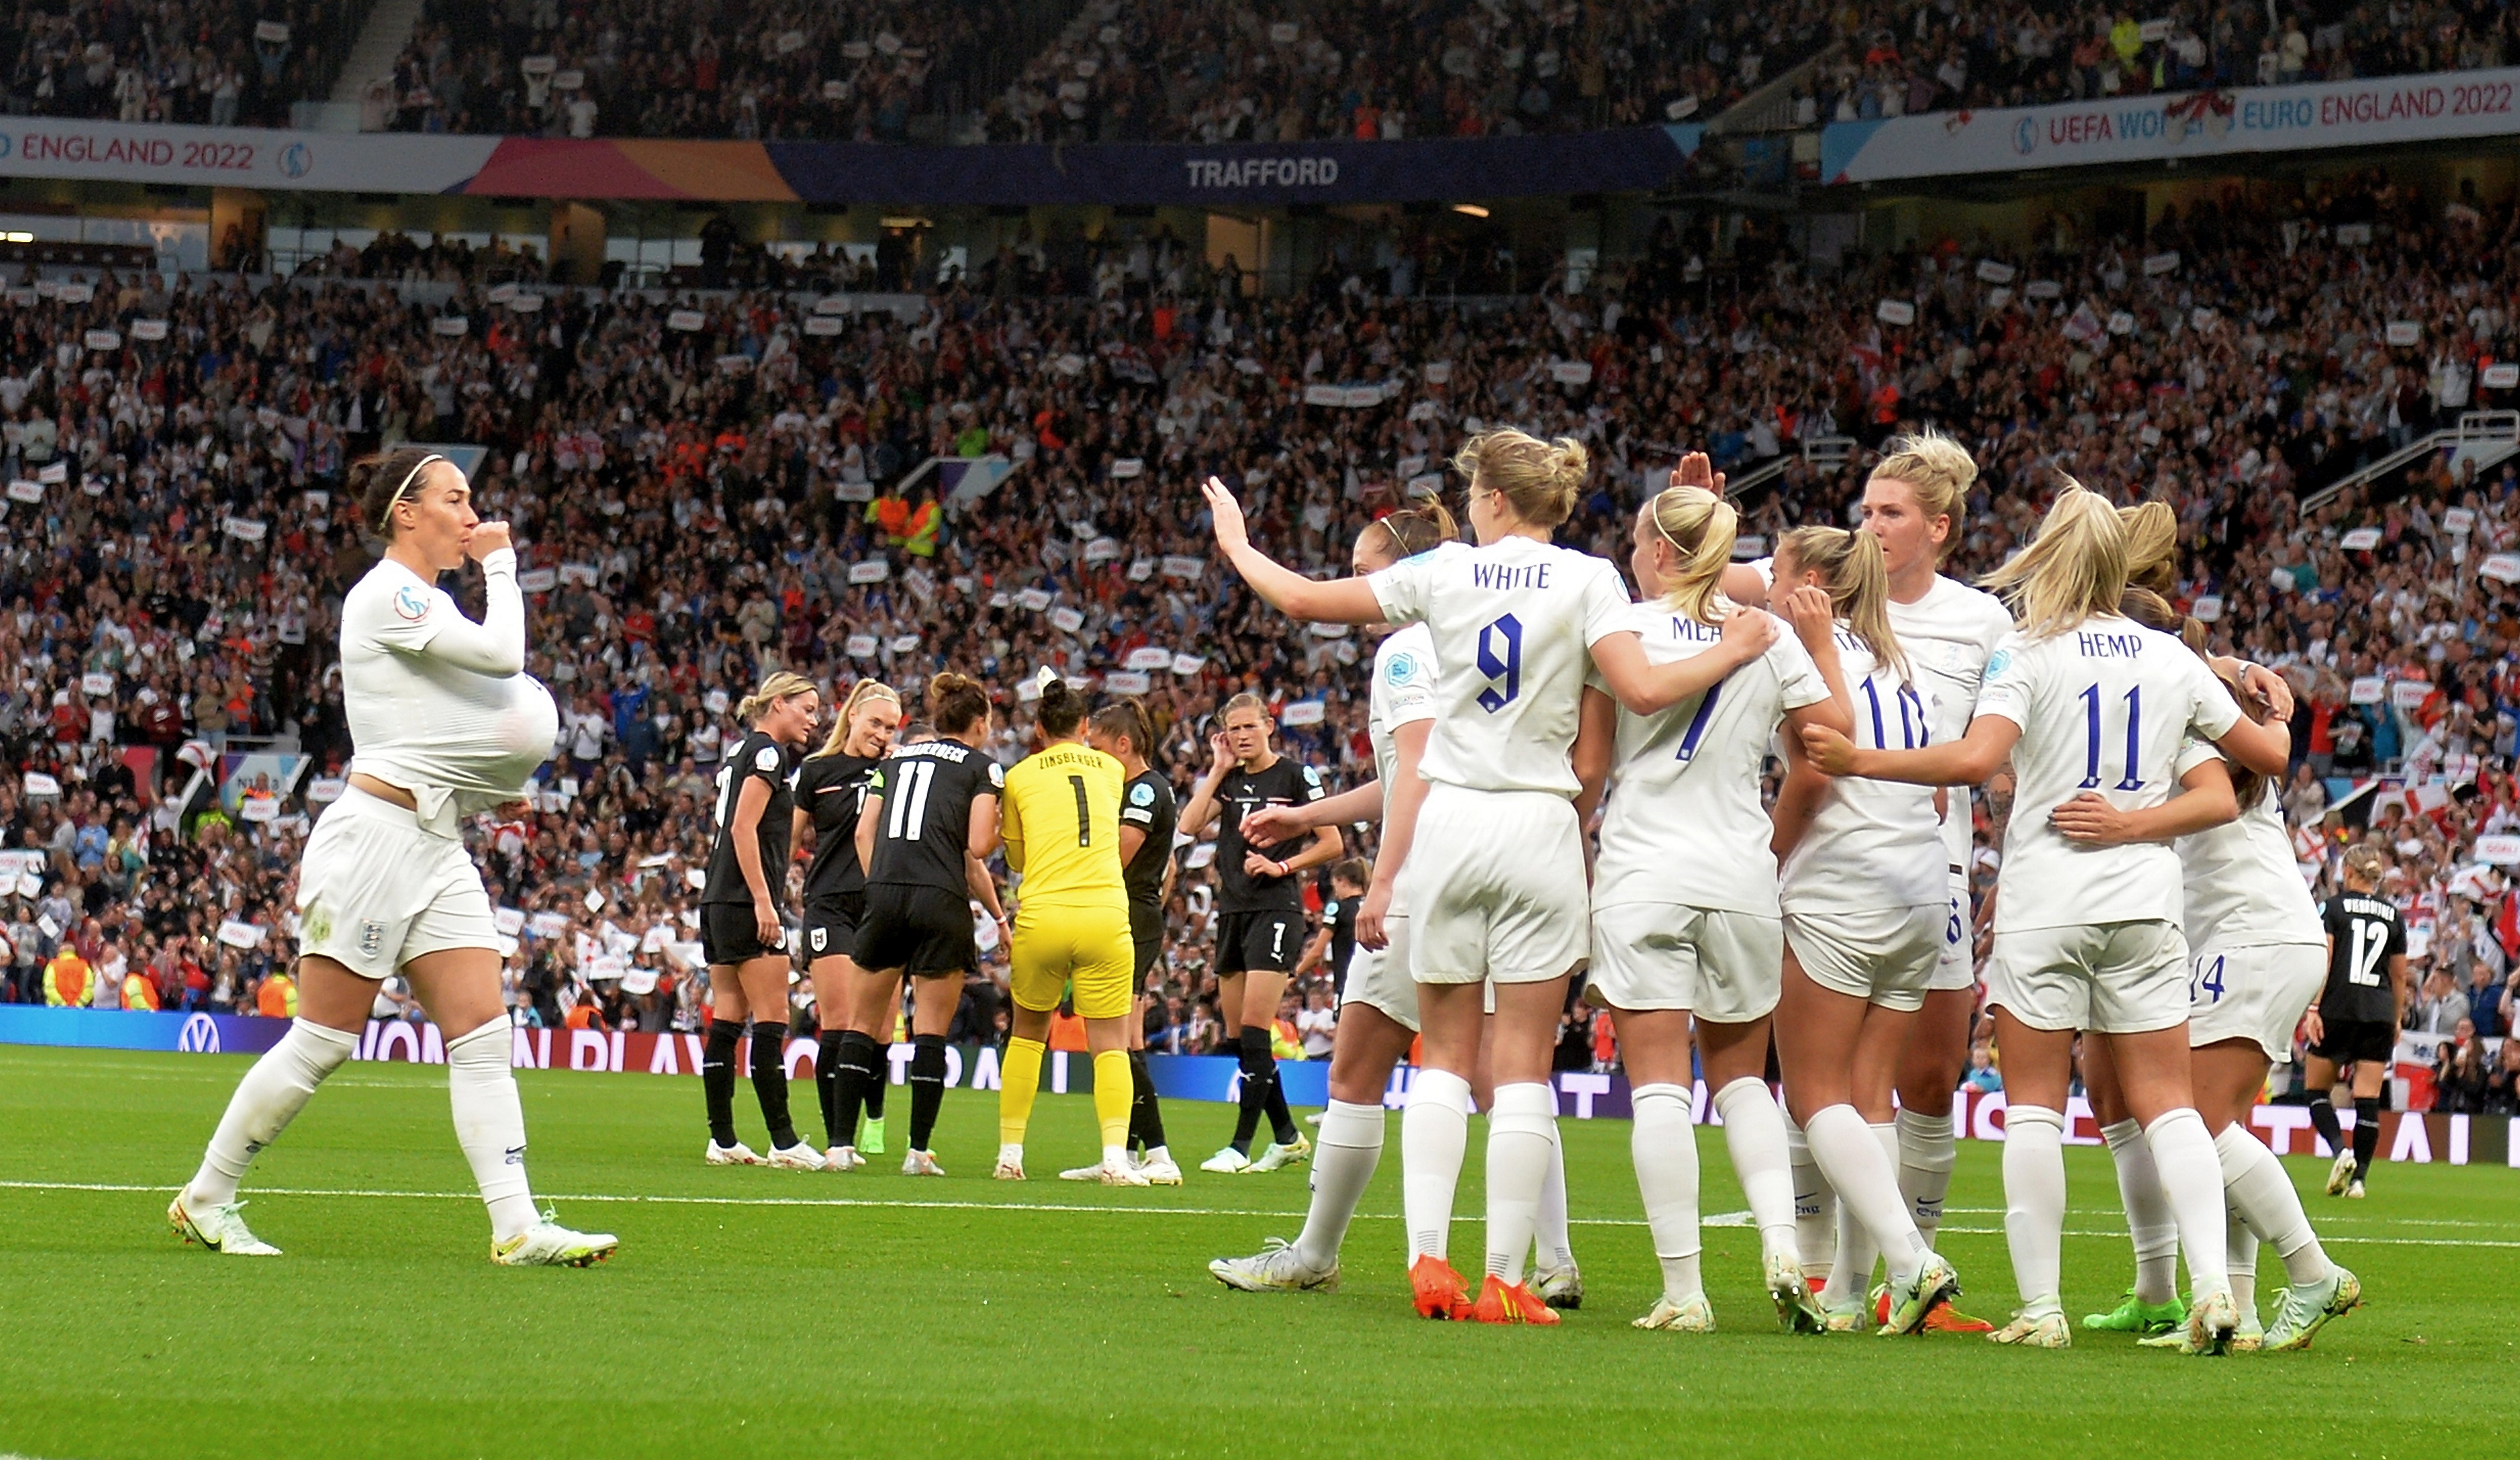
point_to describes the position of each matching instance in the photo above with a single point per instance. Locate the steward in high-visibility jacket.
(66, 979)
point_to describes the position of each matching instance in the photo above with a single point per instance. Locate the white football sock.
(1663, 1140)
(490, 1125)
(2149, 1224)
(2263, 1196)
(266, 1100)
(1754, 1135)
(2034, 1203)
(1868, 1188)
(1521, 1136)
(2241, 1257)
(1817, 1235)
(2191, 1176)
(1929, 1149)
(1552, 1246)
(1434, 1135)
(1343, 1161)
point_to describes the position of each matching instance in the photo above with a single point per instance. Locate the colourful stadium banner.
(238, 156)
(2367, 112)
(2449, 1140)
(1625, 159)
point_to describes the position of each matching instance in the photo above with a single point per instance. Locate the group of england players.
(1570, 784)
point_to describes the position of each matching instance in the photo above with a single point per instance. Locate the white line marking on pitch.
(1721, 1218)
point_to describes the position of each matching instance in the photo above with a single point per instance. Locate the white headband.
(407, 478)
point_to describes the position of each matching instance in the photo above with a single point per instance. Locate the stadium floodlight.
(1470, 210)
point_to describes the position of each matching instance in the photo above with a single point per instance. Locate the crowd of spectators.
(1918, 56)
(175, 61)
(683, 69)
(1133, 71)
(1205, 71)
(708, 486)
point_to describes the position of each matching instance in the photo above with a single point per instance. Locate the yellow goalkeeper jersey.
(1062, 829)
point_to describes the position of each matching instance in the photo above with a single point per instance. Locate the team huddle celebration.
(1634, 713)
(1571, 791)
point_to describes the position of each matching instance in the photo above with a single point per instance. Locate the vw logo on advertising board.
(200, 1036)
(296, 160)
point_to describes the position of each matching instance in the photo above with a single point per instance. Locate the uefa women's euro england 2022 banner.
(2376, 111)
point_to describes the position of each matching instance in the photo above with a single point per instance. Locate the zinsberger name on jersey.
(2103, 707)
(2244, 890)
(1872, 842)
(1684, 823)
(1512, 623)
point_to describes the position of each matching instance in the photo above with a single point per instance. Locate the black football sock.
(856, 1068)
(770, 1081)
(2322, 1119)
(717, 1079)
(827, 1079)
(1257, 1068)
(2366, 1133)
(878, 1075)
(926, 1088)
(1145, 1113)
(1282, 1121)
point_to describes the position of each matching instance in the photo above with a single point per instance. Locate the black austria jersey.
(831, 789)
(927, 790)
(1147, 803)
(1283, 783)
(2364, 933)
(758, 758)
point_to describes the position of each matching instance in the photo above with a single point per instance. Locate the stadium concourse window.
(706, 483)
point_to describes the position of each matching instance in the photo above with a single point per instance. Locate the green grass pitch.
(758, 1313)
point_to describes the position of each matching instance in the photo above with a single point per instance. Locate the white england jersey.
(1947, 636)
(1404, 693)
(420, 718)
(2244, 890)
(1872, 842)
(2102, 707)
(1684, 823)
(1513, 625)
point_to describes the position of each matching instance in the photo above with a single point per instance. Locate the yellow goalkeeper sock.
(1114, 1089)
(1020, 1080)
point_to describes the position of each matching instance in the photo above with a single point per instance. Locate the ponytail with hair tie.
(1701, 527)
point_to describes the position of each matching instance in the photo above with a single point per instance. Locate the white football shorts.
(1956, 972)
(1883, 955)
(375, 890)
(1379, 976)
(1495, 884)
(2117, 978)
(1724, 967)
(2253, 994)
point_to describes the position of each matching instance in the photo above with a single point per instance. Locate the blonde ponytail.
(782, 684)
(1859, 586)
(2075, 570)
(2152, 547)
(1539, 479)
(859, 693)
(1700, 526)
